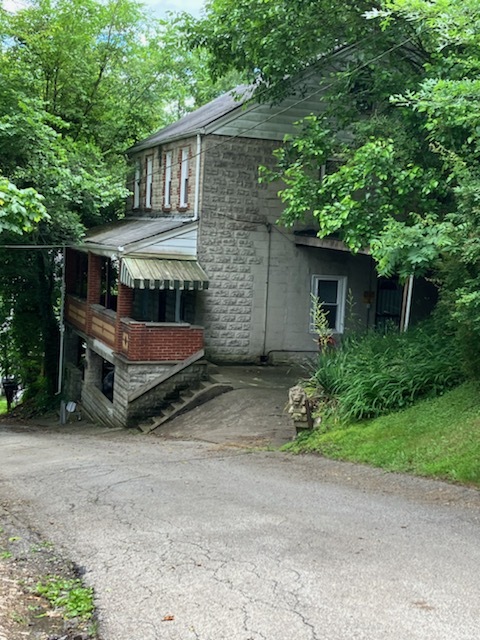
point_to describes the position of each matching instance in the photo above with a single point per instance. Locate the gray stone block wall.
(232, 223)
(132, 376)
(128, 378)
(151, 403)
(98, 408)
(241, 324)
(72, 383)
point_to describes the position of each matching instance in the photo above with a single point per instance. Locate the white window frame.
(136, 185)
(185, 154)
(341, 300)
(149, 182)
(167, 185)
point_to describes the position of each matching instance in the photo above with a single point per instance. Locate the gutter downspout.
(264, 356)
(62, 326)
(197, 178)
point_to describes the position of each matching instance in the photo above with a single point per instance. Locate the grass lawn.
(438, 438)
(3, 405)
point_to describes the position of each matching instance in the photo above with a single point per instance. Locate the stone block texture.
(258, 301)
(129, 377)
(151, 403)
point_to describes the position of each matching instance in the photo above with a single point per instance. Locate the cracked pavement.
(188, 540)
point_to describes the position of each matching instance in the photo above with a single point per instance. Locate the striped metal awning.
(155, 273)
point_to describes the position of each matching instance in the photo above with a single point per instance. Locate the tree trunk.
(49, 324)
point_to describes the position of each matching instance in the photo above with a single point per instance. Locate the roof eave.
(206, 128)
(141, 146)
(106, 249)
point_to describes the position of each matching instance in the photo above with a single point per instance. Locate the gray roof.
(195, 121)
(129, 231)
(236, 114)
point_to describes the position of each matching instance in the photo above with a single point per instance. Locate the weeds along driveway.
(186, 540)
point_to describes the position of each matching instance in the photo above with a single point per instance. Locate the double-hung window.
(149, 183)
(136, 186)
(167, 187)
(184, 179)
(330, 291)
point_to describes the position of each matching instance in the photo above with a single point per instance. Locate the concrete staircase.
(187, 400)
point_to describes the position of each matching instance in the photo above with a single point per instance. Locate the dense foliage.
(20, 209)
(401, 129)
(273, 39)
(81, 80)
(374, 374)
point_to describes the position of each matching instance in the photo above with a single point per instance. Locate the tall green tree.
(448, 101)
(406, 178)
(386, 174)
(81, 80)
(20, 209)
(274, 39)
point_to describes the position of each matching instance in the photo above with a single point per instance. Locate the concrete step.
(218, 378)
(207, 391)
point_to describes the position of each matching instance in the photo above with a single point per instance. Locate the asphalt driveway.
(190, 540)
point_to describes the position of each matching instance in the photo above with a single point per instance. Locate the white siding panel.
(273, 122)
(270, 123)
(184, 244)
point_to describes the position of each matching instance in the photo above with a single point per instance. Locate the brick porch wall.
(124, 310)
(137, 341)
(167, 342)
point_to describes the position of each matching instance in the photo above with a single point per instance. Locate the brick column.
(124, 310)
(94, 286)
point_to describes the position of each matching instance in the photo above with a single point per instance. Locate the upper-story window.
(167, 189)
(136, 185)
(183, 204)
(149, 183)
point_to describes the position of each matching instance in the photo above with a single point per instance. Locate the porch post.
(407, 304)
(124, 310)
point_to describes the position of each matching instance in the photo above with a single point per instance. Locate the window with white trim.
(167, 187)
(330, 291)
(149, 183)
(184, 179)
(136, 186)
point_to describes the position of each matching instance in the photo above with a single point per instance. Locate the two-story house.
(200, 270)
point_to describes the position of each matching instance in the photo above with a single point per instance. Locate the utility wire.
(321, 89)
(220, 143)
(309, 95)
(36, 246)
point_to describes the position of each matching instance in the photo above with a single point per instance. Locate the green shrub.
(37, 397)
(69, 595)
(377, 373)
